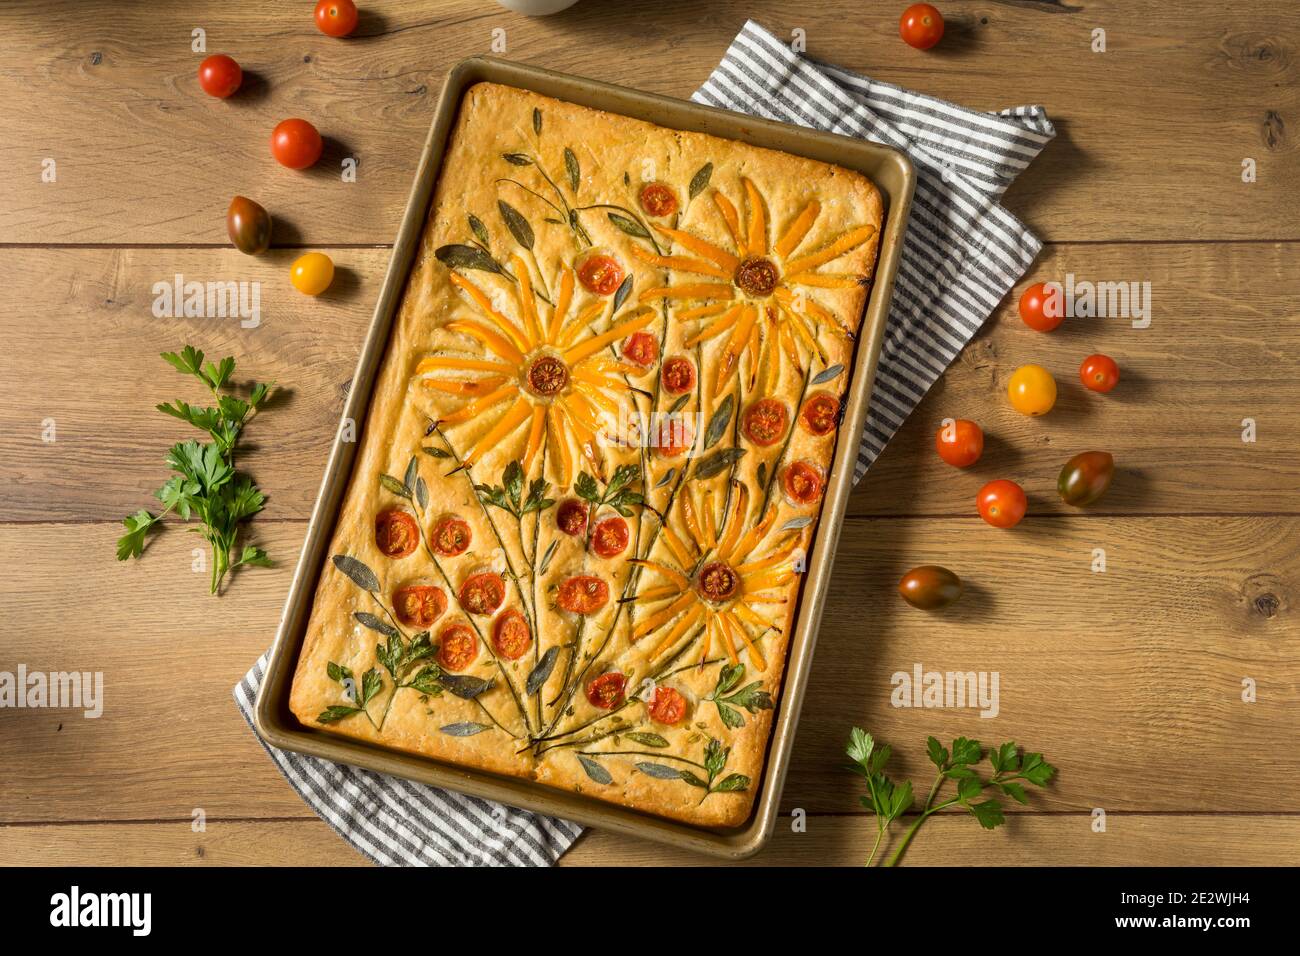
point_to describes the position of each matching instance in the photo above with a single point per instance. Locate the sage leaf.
(678, 405)
(629, 226)
(375, 624)
(422, 492)
(412, 470)
(701, 179)
(465, 687)
(517, 159)
(646, 739)
(794, 524)
(467, 728)
(480, 231)
(658, 771)
(537, 121)
(718, 462)
(571, 167)
(595, 771)
(395, 486)
(460, 256)
(732, 783)
(623, 291)
(718, 423)
(539, 674)
(826, 374)
(517, 224)
(693, 780)
(668, 476)
(434, 452)
(546, 558)
(360, 574)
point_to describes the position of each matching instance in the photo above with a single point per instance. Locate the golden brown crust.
(496, 154)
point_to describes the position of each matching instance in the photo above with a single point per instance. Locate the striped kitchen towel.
(962, 252)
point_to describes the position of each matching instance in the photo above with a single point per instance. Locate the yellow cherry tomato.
(312, 274)
(1032, 390)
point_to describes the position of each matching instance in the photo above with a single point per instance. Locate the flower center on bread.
(757, 276)
(718, 582)
(547, 376)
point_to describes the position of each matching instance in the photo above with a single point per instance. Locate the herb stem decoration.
(571, 218)
(889, 801)
(206, 484)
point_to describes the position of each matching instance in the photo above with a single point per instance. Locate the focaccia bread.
(571, 545)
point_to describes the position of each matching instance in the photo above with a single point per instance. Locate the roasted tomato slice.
(609, 537)
(658, 199)
(678, 375)
(451, 536)
(571, 517)
(583, 594)
(601, 274)
(510, 634)
(606, 691)
(457, 647)
(641, 348)
(820, 414)
(765, 421)
(482, 593)
(419, 605)
(396, 533)
(803, 482)
(673, 436)
(668, 706)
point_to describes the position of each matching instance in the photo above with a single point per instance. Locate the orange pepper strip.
(676, 577)
(716, 327)
(593, 345)
(729, 623)
(660, 618)
(798, 229)
(689, 620)
(688, 290)
(494, 342)
(479, 404)
(734, 522)
(508, 423)
(733, 220)
(535, 432)
(682, 263)
(729, 360)
(527, 304)
(703, 311)
(460, 364)
(463, 388)
(676, 546)
(827, 281)
(579, 325)
(484, 303)
(562, 303)
(753, 537)
(836, 249)
(708, 250)
(757, 243)
(559, 438)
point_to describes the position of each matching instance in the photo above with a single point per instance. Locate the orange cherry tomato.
(451, 536)
(803, 482)
(641, 348)
(1040, 310)
(296, 143)
(1032, 390)
(312, 273)
(609, 537)
(930, 587)
(1099, 373)
(510, 635)
(678, 374)
(457, 647)
(571, 517)
(336, 18)
(668, 706)
(959, 442)
(601, 274)
(482, 593)
(606, 691)
(765, 421)
(220, 76)
(820, 414)
(658, 199)
(1002, 503)
(673, 436)
(419, 605)
(583, 594)
(921, 26)
(396, 533)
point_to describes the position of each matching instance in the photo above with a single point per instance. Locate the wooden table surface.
(1130, 681)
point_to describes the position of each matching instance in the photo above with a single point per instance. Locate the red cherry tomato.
(1002, 503)
(601, 274)
(296, 143)
(1039, 309)
(803, 482)
(641, 348)
(921, 26)
(668, 706)
(482, 593)
(419, 605)
(610, 537)
(765, 422)
(510, 635)
(658, 199)
(1099, 373)
(606, 691)
(820, 414)
(583, 594)
(336, 18)
(451, 536)
(673, 436)
(678, 374)
(571, 517)
(960, 442)
(396, 533)
(457, 647)
(220, 76)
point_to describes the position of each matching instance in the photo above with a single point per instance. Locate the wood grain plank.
(1170, 112)
(1117, 677)
(1028, 840)
(1223, 345)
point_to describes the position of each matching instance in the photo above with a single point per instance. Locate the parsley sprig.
(889, 800)
(617, 494)
(206, 485)
(729, 700)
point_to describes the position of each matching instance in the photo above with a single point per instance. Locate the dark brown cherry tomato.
(678, 375)
(959, 442)
(1002, 503)
(820, 414)
(803, 482)
(1040, 311)
(1085, 477)
(457, 647)
(658, 199)
(220, 76)
(930, 587)
(674, 436)
(419, 605)
(921, 26)
(765, 421)
(451, 536)
(668, 706)
(336, 18)
(510, 634)
(610, 536)
(641, 348)
(571, 517)
(482, 593)
(601, 274)
(296, 143)
(396, 533)
(583, 594)
(248, 225)
(606, 691)
(1099, 373)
